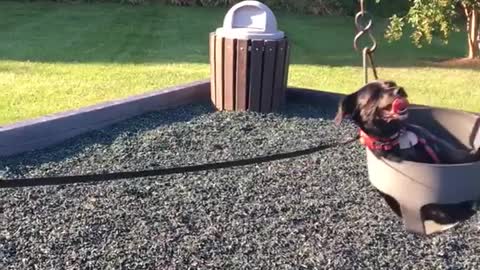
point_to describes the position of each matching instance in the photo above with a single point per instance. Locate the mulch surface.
(312, 212)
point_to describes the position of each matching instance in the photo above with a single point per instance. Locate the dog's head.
(378, 108)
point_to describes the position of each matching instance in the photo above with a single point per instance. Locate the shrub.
(133, 2)
(182, 2)
(217, 3)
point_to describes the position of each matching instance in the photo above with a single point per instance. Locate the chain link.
(362, 6)
(362, 29)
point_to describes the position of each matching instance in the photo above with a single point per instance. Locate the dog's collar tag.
(407, 140)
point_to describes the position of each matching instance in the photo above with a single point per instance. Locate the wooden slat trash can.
(249, 60)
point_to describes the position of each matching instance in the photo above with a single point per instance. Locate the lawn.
(55, 57)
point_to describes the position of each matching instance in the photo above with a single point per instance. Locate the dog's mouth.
(397, 110)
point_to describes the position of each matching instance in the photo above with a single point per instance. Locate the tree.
(429, 17)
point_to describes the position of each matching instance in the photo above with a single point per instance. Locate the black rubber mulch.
(314, 212)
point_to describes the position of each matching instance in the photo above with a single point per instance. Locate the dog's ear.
(401, 91)
(346, 107)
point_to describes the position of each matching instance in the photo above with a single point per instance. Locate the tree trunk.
(472, 31)
(473, 35)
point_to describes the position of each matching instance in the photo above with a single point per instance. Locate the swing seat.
(415, 185)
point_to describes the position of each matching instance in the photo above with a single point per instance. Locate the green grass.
(56, 57)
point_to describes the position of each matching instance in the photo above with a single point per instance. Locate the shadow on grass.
(150, 34)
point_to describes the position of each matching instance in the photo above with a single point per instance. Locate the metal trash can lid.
(250, 20)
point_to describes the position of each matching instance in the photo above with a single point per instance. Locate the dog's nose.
(399, 105)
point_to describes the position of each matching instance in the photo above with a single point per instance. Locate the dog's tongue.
(399, 105)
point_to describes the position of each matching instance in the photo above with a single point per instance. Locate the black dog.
(380, 110)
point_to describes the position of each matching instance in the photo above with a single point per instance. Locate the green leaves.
(395, 28)
(428, 18)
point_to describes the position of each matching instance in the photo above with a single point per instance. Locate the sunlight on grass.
(43, 88)
(56, 57)
(40, 89)
(36, 89)
(451, 88)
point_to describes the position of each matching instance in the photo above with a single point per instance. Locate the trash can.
(249, 60)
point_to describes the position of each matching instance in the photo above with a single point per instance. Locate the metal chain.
(362, 29)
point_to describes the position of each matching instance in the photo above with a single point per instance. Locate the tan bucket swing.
(412, 186)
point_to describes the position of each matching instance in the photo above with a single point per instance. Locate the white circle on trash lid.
(250, 20)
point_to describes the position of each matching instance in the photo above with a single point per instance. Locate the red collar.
(374, 143)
